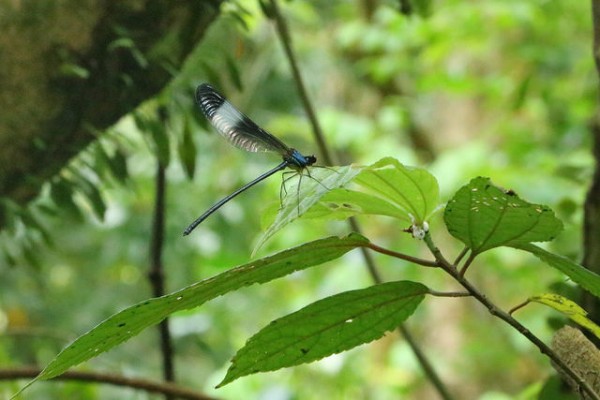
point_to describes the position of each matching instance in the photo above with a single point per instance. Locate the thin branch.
(441, 260)
(449, 294)
(499, 313)
(463, 252)
(168, 389)
(425, 364)
(466, 265)
(156, 272)
(402, 256)
(518, 307)
(286, 41)
(367, 258)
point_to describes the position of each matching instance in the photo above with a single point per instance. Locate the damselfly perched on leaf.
(242, 132)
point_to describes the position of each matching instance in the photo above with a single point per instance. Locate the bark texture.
(70, 67)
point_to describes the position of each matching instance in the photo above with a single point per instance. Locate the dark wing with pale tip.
(232, 124)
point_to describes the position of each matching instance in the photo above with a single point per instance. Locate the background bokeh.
(501, 88)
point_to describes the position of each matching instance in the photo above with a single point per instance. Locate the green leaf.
(234, 72)
(187, 150)
(159, 140)
(213, 77)
(116, 165)
(131, 321)
(267, 9)
(483, 216)
(61, 193)
(578, 274)
(11, 260)
(32, 223)
(71, 70)
(101, 159)
(343, 203)
(30, 252)
(326, 327)
(123, 42)
(129, 44)
(306, 192)
(239, 14)
(90, 192)
(409, 194)
(569, 308)
(413, 190)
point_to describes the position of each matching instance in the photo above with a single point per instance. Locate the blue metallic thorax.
(297, 161)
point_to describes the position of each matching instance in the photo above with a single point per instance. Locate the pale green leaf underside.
(326, 327)
(343, 203)
(131, 321)
(305, 191)
(392, 189)
(484, 216)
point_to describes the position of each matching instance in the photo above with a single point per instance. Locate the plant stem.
(466, 265)
(402, 256)
(449, 294)
(156, 273)
(497, 312)
(286, 41)
(461, 255)
(168, 389)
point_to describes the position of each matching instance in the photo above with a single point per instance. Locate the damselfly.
(242, 132)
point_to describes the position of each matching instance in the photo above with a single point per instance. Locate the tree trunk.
(591, 228)
(70, 67)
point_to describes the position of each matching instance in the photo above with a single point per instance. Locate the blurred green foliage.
(500, 88)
